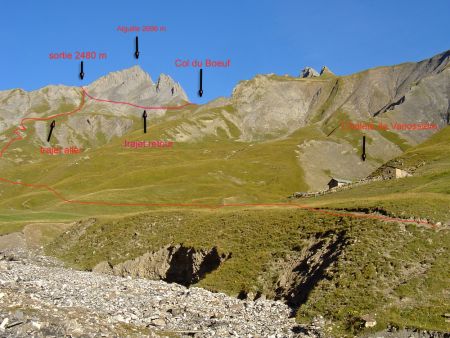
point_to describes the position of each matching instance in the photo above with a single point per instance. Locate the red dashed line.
(23, 128)
(135, 105)
(195, 205)
(84, 93)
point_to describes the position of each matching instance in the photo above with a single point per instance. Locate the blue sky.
(258, 36)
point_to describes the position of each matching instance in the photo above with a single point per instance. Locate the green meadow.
(398, 272)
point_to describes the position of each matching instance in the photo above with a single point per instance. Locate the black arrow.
(81, 71)
(200, 91)
(136, 53)
(363, 156)
(52, 125)
(144, 116)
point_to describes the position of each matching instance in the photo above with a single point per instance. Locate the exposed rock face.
(174, 264)
(271, 105)
(121, 83)
(167, 85)
(134, 85)
(16, 104)
(265, 106)
(269, 108)
(308, 72)
(326, 71)
(97, 120)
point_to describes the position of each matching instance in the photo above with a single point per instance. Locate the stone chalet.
(392, 173)
(337, 182)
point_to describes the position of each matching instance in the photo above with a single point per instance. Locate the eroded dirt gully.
(297, 274)
(301, 272)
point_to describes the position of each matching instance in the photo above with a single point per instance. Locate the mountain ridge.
(267, 109)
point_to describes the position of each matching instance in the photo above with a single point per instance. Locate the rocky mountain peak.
(128, 78)
(166, 84)
(326, 71)
(135, 85)
(308, 72)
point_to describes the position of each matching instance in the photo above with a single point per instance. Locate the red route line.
(196, 205)
(84, 93)
(23, 128)
(213, 206)
(135, 105)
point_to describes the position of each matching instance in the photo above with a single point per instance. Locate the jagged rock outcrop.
(136, 86)
(308, 72)
(174, 264)
(326, 71)
(167, 85)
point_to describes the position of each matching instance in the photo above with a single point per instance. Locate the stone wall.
(378, 175)
(342, 187)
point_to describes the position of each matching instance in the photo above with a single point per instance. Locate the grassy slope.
(400, 273)
(214, 170)
(382, 269)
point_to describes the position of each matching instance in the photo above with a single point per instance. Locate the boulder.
(369, 320)
(103, 267)
(158, 322)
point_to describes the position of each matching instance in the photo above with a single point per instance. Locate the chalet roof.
(339, 180)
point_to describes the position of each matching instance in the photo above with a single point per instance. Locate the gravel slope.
(40, 297)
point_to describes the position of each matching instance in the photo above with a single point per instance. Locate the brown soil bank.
(173, 264)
